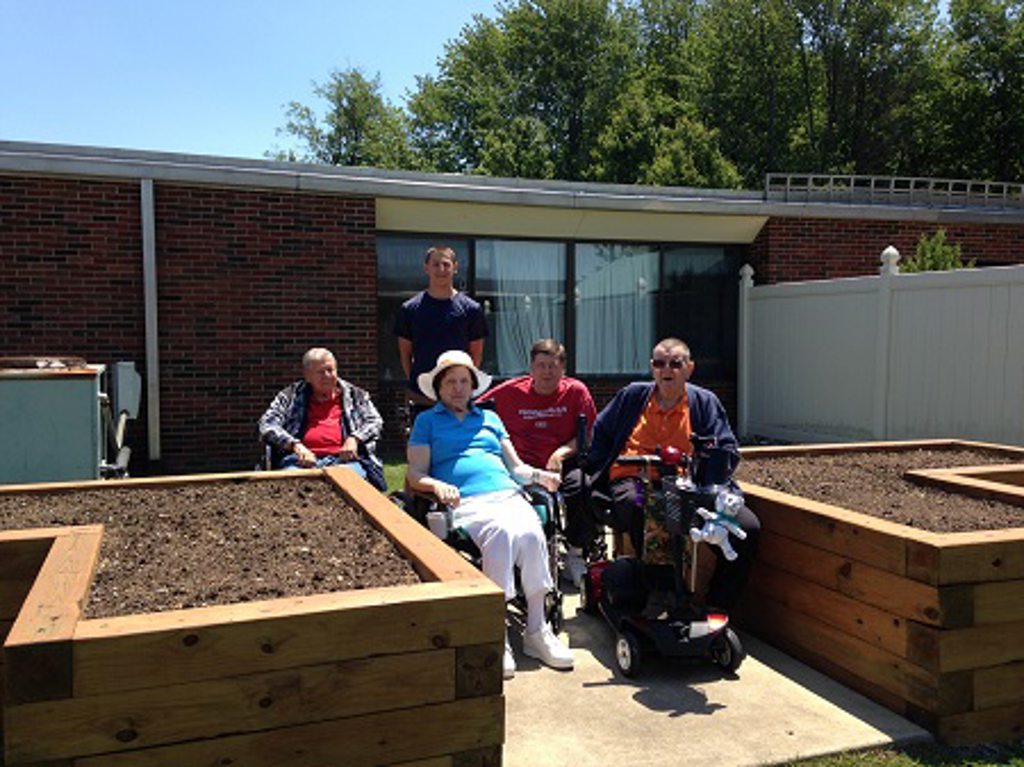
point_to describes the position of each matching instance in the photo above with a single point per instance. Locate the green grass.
(927, 755)
(394, 474)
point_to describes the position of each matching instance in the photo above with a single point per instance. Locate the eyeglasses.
(674, 364)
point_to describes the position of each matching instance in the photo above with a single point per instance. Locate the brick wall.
(247, 281)
(793, 249)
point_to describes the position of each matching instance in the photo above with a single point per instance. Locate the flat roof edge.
(105, 162)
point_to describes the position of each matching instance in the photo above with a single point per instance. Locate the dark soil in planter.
(872, 483)
(213, 544)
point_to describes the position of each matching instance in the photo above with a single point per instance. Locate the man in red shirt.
(323, 420)
(540, 411)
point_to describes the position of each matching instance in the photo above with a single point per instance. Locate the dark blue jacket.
(616, 422)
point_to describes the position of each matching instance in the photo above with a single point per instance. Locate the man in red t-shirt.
(540, 411)
(324, 420)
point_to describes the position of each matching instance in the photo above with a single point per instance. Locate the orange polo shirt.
(656, 428)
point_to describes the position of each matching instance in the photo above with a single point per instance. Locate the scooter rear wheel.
(727, 650)
(588, 600)
(628, 655)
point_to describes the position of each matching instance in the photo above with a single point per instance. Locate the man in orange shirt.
(646, 417)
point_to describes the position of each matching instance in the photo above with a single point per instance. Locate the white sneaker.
(508, 663)
(575, 567)
(543, 645)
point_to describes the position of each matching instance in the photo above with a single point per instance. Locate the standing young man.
(436, 320)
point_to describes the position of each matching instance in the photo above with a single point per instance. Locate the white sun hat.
(448, 359)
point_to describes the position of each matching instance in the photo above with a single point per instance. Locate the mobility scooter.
(689, 500)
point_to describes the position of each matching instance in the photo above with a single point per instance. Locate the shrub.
(934, 254)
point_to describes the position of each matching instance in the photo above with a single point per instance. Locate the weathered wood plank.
(875, 542)
(37, 651)
(981, 646)
(974, 481)
(876, 666)
(478, 670)
(436, 761)
(828, 448)
(12, 595)
(1001, 602)
(991, 724)
(160, 649)
(395, 736)
(20, 560)
(159, 716)
(880, 588)
(433, 559)
(853, 617)
(999, 685)
(53, 606)
(987, 555)
(489, 756)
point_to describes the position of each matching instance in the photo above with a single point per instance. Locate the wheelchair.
(550, 509)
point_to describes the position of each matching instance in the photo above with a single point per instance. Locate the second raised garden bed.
(371, 676)
(930, 624)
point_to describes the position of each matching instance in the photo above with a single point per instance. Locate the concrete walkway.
(774, 710)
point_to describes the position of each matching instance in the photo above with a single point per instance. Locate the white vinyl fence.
(897, 356)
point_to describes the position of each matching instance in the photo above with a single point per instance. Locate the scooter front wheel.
(628, 655)
(727, 650)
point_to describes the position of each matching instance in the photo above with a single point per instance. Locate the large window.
(615, 296)
(699, 303)
(607, 302)
(522, 288)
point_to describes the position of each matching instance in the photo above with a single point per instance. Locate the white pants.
(508, 533)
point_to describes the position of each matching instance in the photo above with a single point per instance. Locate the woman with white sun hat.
(463, 455)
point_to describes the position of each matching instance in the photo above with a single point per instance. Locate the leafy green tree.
(358, 128)
(984, 97)
(861, 62)
(651, 139)
(750, 88)
(527, 92)
(934, 254)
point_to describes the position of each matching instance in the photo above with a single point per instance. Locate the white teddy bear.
(719, 523)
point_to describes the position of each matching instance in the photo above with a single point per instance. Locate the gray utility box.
(51, 425)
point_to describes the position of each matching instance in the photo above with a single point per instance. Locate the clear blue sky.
(202, 76)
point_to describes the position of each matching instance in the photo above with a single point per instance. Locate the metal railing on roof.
(893, 190)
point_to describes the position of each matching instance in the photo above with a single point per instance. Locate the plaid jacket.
(285, 421)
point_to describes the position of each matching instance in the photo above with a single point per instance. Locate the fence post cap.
(890, 260)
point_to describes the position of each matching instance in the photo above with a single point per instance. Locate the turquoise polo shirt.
(464, 453)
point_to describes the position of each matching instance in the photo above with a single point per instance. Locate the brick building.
(213, 275)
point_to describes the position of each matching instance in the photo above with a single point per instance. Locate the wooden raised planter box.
(931, 625)
(376, 676)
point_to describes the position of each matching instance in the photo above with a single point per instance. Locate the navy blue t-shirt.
(435, 326)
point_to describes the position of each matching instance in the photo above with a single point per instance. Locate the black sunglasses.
(674, 364)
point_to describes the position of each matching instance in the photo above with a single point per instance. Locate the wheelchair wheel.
(727, 650)
(628, 655)
(555, 613)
